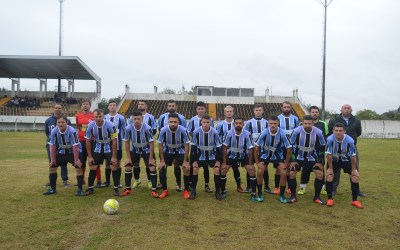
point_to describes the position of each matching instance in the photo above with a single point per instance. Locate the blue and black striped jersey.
(288, 123)
(255, 126)
(223, 128)
(140, 138)
(238, 145)
(308, 146)
(102, 136)
(340, 150)
(271, 145)
(205, 145)
(119, 122)
(64, 141)
(173, 141)
(149, 120)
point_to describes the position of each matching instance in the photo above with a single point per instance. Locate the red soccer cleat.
(186, 194)
(276, 190)
(126, 192)
(329, 203)
(163, 194)
(357, 204)
(155, 194)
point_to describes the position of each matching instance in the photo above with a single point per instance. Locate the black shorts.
(274, 162)
(63, 159)
(83, 156)
(307, 166)
(98, 158)
(209, 163)
(136, 158)
(169, 158)
(237, 162)
(346, 166)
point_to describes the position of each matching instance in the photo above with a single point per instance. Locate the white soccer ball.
(110, 206)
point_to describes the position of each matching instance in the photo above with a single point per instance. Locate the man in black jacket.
(353, 129)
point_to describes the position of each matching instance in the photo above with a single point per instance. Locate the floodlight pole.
(325, 5)
(60, 42)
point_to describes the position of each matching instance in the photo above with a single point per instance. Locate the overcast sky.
(260, 44)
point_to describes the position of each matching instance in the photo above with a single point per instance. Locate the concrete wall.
(380, 129)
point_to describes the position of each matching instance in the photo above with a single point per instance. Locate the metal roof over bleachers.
(45, 67)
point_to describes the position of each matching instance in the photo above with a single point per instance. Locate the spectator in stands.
(354, 130)
(49, 124)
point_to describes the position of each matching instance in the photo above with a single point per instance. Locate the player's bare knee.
(355, 178)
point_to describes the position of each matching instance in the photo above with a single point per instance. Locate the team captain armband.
(114, 135)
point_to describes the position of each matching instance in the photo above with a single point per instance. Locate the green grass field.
(32, 221)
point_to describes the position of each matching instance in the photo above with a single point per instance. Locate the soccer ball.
(110, 206)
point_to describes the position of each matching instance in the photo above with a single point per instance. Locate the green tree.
(103, 104)
(367, 114)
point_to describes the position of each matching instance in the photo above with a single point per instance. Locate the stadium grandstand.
(241, 99)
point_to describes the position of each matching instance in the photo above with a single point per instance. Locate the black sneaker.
(100, 185)
(192, 195)
(88, 192)
(268, 190)
(207, 189)
(218, 196)
(116, 192)
(223, 194)
(50, 191)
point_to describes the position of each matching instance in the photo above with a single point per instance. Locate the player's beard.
(286, 113)
(141, 110)
(171, 111)
(238, 129)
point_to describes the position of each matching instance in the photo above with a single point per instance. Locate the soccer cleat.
(50, 191)
(239, 189)
(223, 194)
(126, 192)
(66, 184)
(186, 194)
(283, 200)
(276, 190)
(155, 194)
(292, 199)
(329, 203)
(260, 198)
(207, 189)
(100, 185)
(163, 194)
(357, 204)
(218, 196)
(253, 198)
(301, 191)
(268, 190)
(79, 192)
(247, 190)
(179, 188)
(192, 195)
(88, 192)
(149, 185)
(319, 200)
(136, 183)
(116, 193)
(323, 192)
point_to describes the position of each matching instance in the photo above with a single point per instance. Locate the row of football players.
(272, 145)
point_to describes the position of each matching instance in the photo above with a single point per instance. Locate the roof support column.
(98, 89)
(71, 88)
(43, 86)
(14, 82)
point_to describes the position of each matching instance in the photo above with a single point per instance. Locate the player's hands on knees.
(195, 164)
(320, 166)
(293, 165)
(52, 164)
(185, 165)
(217, 164)
(78, 163)
(91, 161)
(113, 161)
(260, 164)
(161, 165)
(355, 176)
(128, 163)
(152, 162)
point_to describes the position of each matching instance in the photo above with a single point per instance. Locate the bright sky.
(240, 43)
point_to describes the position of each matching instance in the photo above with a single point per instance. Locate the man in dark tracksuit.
(353, 129)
